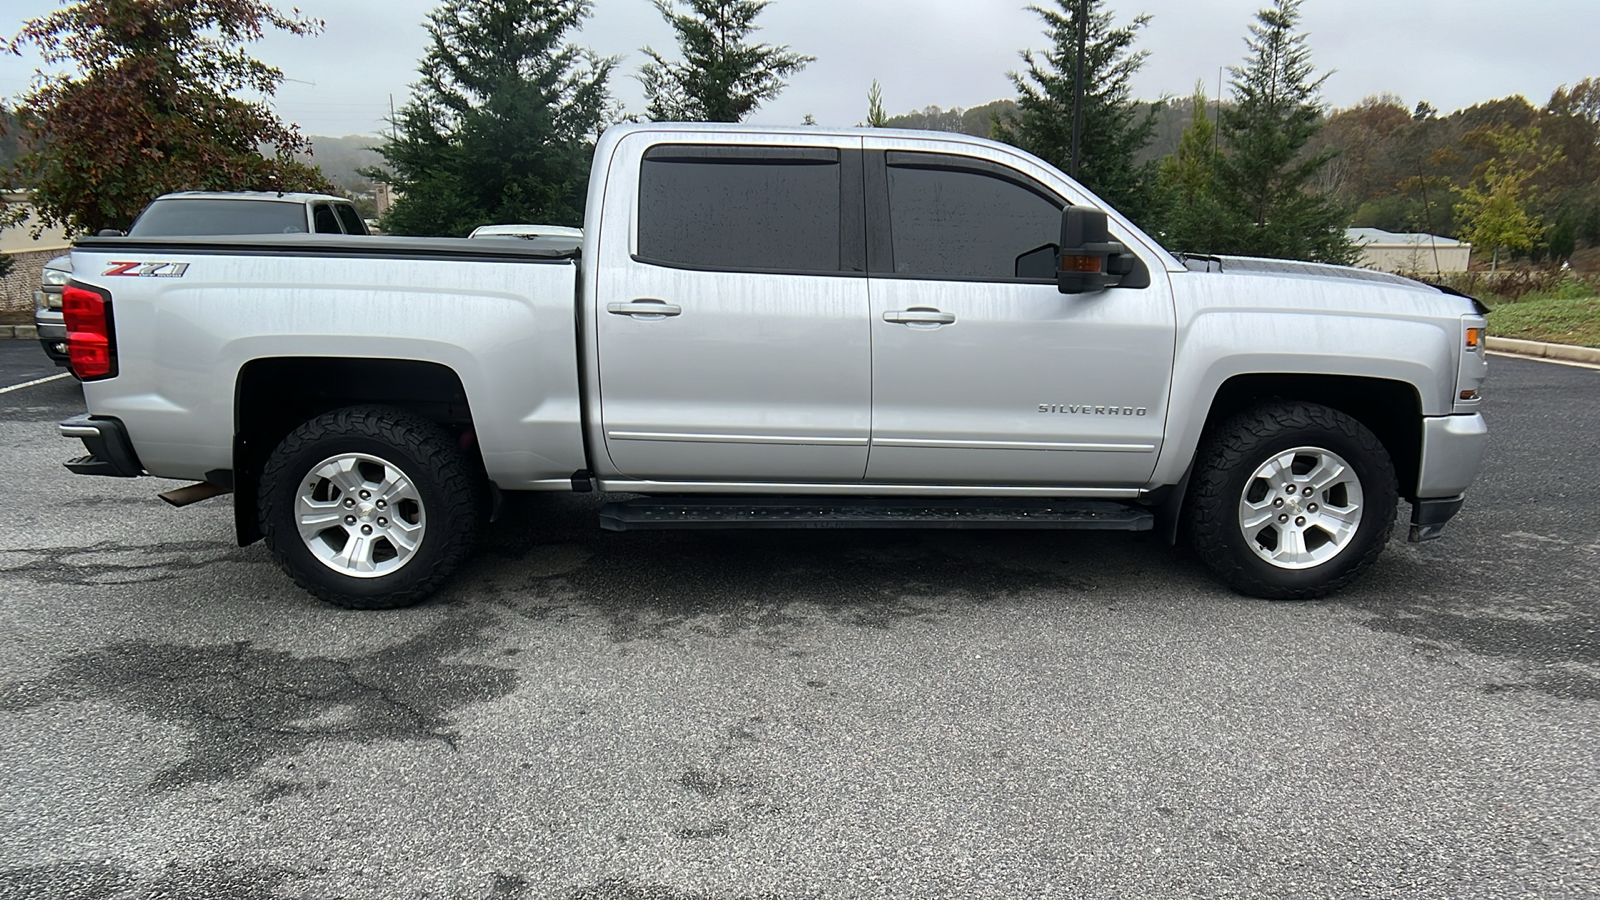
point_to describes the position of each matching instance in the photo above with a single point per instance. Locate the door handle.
(654, 309)
(919, 315)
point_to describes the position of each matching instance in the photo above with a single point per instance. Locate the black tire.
(1226, 467)
(447, 494)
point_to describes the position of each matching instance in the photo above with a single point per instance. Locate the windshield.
(180, 216)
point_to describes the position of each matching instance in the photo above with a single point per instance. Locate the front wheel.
(1291, 500)
(369, 507)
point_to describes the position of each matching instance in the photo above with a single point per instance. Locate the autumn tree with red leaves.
(146, 106)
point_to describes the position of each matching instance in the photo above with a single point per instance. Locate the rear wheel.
(1291, 500)
(369, 507)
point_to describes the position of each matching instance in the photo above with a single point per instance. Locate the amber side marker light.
(1474, 337)
(1469, 395)
(1081, 263)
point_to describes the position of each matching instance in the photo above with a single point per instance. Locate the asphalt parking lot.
(697, 715)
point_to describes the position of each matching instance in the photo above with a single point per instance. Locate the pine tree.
(501, 127)
(877, 116)
(722, 77)
(1192, 215)
(147, 104)
(1115, 127)
(1264, 181)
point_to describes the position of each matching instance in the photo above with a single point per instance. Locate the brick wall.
(16, 289)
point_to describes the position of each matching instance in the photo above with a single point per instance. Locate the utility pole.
(1077, 87)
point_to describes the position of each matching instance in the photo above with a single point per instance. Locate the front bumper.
(52, 328)
(110, 451)
(1452, 454)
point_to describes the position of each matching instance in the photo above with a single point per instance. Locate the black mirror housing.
(1090, 260)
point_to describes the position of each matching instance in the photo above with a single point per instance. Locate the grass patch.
(1560, 320)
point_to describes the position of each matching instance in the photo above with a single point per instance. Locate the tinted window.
(744, 208)
(349, 219)
(181, 216)
(323, 218)
(966, 223)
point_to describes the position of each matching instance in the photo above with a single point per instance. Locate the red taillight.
(89, 343)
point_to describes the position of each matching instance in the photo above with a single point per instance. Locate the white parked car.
(526, 231)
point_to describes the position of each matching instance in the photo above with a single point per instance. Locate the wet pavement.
(699, 715)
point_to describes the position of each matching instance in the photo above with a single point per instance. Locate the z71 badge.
(148, 270)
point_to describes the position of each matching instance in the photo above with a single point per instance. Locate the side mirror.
(110, 232)
(1090, 260)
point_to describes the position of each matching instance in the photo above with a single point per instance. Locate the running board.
(876, 512)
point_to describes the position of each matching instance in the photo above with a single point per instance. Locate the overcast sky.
(1452, 53)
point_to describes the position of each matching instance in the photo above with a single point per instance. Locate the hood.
(1250, 265)
(1288, 268)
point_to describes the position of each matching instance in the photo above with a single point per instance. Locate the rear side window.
(349, 219)
(951, 218)
(762, 209)
(322, 216)
(183, 216)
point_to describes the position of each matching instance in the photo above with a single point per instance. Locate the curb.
(1542, 350)
(20, 332)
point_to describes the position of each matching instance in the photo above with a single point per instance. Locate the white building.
(1409, 254)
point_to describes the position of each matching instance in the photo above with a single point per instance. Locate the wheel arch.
(1391, 409)
(274, 395)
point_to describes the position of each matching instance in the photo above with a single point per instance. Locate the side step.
(871, 512)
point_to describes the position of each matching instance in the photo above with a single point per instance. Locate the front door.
(982, 376)
(733, 336)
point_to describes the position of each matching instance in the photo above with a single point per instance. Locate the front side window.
(761, 209)
(950, 219)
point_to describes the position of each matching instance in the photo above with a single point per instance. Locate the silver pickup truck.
(782, 328)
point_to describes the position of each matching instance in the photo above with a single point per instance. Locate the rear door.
(983, 372)
(731, 312)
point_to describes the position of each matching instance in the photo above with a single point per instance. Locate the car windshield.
(194, 216)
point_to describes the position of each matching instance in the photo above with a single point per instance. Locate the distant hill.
(1171, 120)
(340, 157)
(974, 120)
(10, 140)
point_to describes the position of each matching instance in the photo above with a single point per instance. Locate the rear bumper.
(110, 451)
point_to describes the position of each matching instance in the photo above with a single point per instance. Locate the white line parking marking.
(1560, 362)
(27, 384)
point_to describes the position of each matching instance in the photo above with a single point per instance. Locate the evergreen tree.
(1114, 126)
(1264, 180)
(1192, 214)
(877, 117)
(148, 106)
(501, 127)
(722, 77)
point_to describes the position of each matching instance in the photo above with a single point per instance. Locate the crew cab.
(200, 212)
(782, 328)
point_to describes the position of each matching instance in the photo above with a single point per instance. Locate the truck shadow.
(546, 558)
